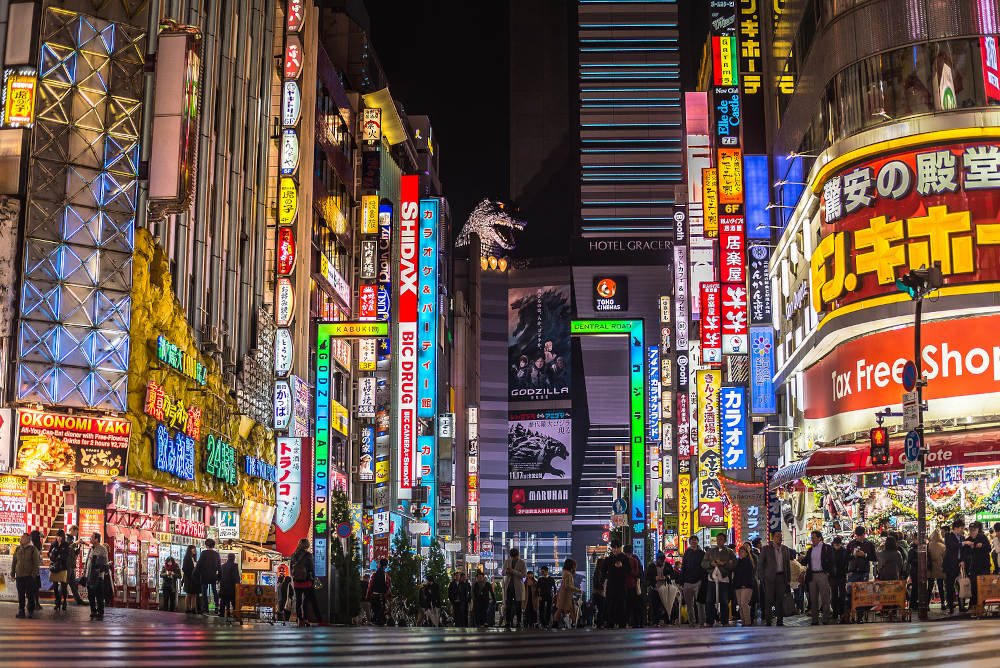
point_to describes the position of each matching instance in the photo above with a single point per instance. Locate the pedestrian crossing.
(139, 638)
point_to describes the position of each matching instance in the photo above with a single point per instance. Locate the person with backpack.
(96, 572)
(209, 567)
(228, 581)
(24, 570)
(379, 591)
(301, 566)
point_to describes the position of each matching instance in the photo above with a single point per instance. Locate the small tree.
(436, 569)
(348, 565)
(404, 569)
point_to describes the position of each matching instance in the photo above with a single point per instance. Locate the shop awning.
(965, 448)
(146, 536)
(111, 531)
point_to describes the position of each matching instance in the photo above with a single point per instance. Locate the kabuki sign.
(906, 210)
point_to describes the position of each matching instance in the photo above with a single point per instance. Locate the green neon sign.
(347, 329)
(637, 404)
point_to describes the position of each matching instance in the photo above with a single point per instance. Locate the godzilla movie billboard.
(539, 343)
(539, 445)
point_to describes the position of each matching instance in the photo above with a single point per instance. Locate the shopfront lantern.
(286, 250)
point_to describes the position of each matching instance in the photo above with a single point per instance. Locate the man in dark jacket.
(430, 601)
(774, 570)
(633, 594)
(617, 569)
(459, 604)
(482, 596)
(818, 561)
(379, 590)
(658, 573)
(976, 554)
(600, 601)
(860, 557)
(208, 570)
(229, 579)
(546, 594)
(952, 562)
(73, 545)
(692, 578)
(838, 578)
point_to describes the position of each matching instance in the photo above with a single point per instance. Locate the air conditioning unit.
(211, 339)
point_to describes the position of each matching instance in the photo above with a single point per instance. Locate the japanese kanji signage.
(991, 69)
(732, 405)
(53, 442)
(731, 236)
(726, 114)
(734, 319)
(710, 201)
(711, 324)
(709, 455)
(907, 210)
(18, 97)
(174, 453)
(758, 257)
(730, 168)
(406, 339)
(680, 298)
(220, 459)
(185, 364)
(762, 371)
(165, 408)
(371, 127)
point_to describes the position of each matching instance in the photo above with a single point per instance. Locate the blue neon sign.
(762, 371)
(427, 317)
(174, 455)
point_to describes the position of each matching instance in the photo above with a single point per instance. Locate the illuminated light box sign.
(20, 88)
(286, 250)
(165, 408)
(730, 176)
(366, 462)
(427, 317)
(935, 476)
(406, 342)
(293, 57)
(369, 213)
(333, 278)
(610, 293)
(220, 459)
(321, 469)
(289, 152)
(284, 302)
(371, 127)
(367, 302)
(711, 324)
(366, 397)
(288, 201)
(174, 357)
(762, 399)
(191, 528)
(367, 354)
(903, 210)
(174, 454)
(291, 104)
(384, 260)
(732, 405)
(369, 259)
(282, 404)
(13, 505)
(710, 201)
(295, 16)
(284, 351)
(709, 452)
(637, 409)
(258, 468)
(355, 329)
(538, 501)
(53, 442)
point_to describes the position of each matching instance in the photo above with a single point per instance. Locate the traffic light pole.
(922, 477)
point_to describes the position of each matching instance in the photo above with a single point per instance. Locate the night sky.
(448, 60)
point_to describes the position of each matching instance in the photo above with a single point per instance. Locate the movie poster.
(539, 343)
(539, 445)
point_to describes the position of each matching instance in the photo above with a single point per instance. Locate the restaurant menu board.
(91, 522)
(8, 586)
(13, 507)
(54, 442)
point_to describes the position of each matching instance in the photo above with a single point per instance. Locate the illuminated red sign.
(406, 348)
(293, 58)
(711, 324)
(286, 250)
(296, 15)
(991, 68)
(367, 302)
(731, 240)
(190, 528)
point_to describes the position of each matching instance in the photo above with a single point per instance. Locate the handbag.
(788, 604)
(964, 584)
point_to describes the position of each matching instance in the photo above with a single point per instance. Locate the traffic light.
(911, 284)
(879, 450)
(920, 281)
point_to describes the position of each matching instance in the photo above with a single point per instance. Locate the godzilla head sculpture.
(495, 228)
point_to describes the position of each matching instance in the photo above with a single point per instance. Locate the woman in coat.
(59, 567)
(745, 582)
(169, 575)
(565, 605)
(97, 572)
(36, 540)
(229, 579)
(890, 561)
(301, 567)
(530, 603)
(935, 565)
(192, 583)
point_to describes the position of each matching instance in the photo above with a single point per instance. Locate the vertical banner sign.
(683, 437)
(732, 404)
(762, 401)
(680, 298)
(757, 189)
(321, 463)
(709, 455)
(406, 345)
(759, 256)
(427, 319)
(731, 249)
(384, 305)
(773, 502)
(369, 213)
(684, 507)
(653, 406)
(371, 127)
(711, 324)
(751, 76)
(636, 354)
(991, 68)
(710, 200)
(734, 319)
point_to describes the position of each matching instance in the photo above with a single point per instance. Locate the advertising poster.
(527, 501)
(539, 343)
(13, 505)
(539, 445)
(53, 442)
(292, 517)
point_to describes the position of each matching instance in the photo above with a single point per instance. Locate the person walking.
(169, 575)
(995, 546)
(482, 598)
(529, 607)
(301, 567)
(514, 572)
(860, 557)
(192, 585)
(209, 567)
(36, 540)
(599, 591)
(935, 566)
(285, 595)
(24, 569)
(838, 579)
(658, 577)
(73, 554)
(692, 579)
(457, 602)
(633, 589)
(430, 601)
(818, 561)
(546, 595)
(229, 579)
(718, 562)
(617, 567)
(97, 573)
(774, 570)
(745, 583)
(379, 591)
(59, 568)
(953, 562)
(977, 559)
(565, 603)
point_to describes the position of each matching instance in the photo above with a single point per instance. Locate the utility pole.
(919, 283)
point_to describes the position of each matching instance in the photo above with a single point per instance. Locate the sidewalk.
(117, 616)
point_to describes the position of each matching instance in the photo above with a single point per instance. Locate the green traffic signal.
(903, 286)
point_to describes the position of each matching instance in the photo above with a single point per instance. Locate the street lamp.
(918, 284)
